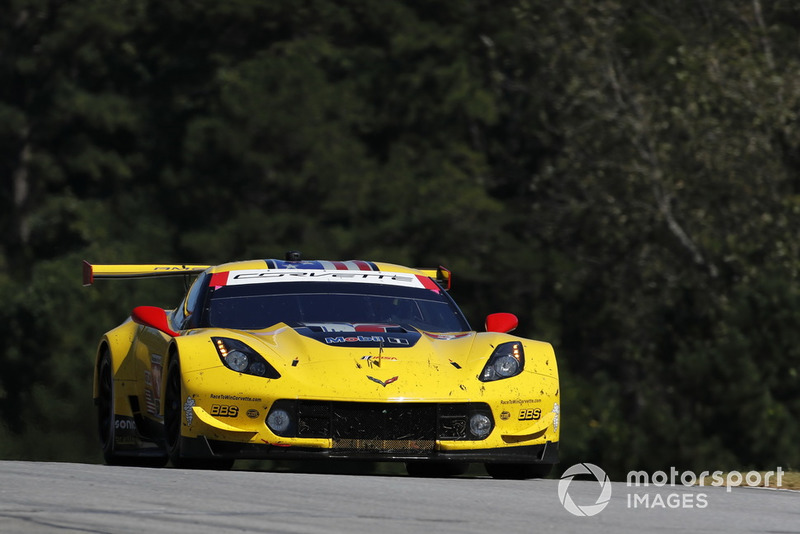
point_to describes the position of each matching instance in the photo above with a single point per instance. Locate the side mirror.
(501, 322)
(153, 317)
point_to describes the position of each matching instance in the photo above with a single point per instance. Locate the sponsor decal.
(530, 414)
(149, 400)
(557, 412)
(354, 327)
(505, 416)
(122, 423)
(224, 410)
(353, 339)
(152, 383)
(366, 339)
(235, 398)
(447, 337)
(187, 409)
(252, 414)
(381, 382)
(377, 359)
(344, 334)
(263, 276)
(520, 401)
(170, 268)
(156, 373)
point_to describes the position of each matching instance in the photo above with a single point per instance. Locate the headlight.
(237, 360)
(506, 361)
(238, 357)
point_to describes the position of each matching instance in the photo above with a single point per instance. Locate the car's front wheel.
(172, 412)
(173, 423)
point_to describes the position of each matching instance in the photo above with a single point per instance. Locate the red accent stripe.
(362, 265)
(219, 279)
(428, 283)
(339, 265)
(370, 327)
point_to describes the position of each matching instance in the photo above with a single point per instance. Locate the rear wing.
(125, 271)
(121, 271)
(440, 274)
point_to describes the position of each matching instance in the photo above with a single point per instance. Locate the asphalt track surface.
(79, 498)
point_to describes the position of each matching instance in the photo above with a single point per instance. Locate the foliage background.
(623, 175)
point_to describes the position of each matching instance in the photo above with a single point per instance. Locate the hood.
(382, 362)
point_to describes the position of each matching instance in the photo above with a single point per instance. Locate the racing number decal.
(530, 414)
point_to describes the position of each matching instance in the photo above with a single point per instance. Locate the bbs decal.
(224, 410)
(530, 414)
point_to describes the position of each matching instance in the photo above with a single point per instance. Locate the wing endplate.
(440, 274)
(123, 271)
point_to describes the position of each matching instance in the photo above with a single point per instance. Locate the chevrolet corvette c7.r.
(292, 359)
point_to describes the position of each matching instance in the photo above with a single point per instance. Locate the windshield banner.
(265, 276)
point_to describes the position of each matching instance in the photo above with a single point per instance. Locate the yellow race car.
(293, 359)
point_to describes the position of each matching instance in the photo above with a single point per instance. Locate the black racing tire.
(173, 416)
(432, 469)
(106, 418)
(518, 471)
(105, 408)
(173, 422)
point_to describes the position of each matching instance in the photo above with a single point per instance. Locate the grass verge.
(788, 479)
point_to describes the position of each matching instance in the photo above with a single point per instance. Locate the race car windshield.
(258, 306)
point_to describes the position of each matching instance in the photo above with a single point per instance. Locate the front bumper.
(201, 447)
(374, 426)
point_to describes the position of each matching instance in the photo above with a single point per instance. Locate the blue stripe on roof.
(280, 264)
(314, 264)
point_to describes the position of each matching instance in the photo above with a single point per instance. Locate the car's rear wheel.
(518, 471)
(106, 421)
(436, 469)
(173, 422)
(105, 408)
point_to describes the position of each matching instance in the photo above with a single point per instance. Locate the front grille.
(408, 447)
(374, 421)
(375, 426)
